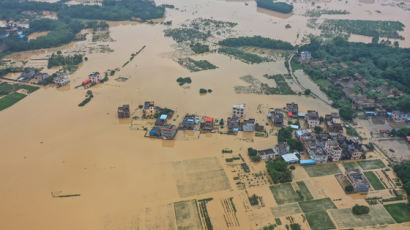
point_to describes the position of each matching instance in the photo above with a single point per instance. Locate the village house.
(94, 77)
(248, 125)
(27, 75)
(292, 110)
(333, 149)
(39, 77)
(398, 116)
(305, 56)
(312, 118)
(168, 131)
(188, 123)
(234, 124)
(277, 117)
(266, 154)
(239, 110)
(61, 79)
(314, 147)
(161, 120)
(282, 148)
(149, 108)
(123, 111)
(333, 123)
(354, 149)
(358, 180)
(259, 128)
(207, 125)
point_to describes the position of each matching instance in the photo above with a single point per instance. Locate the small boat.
(392, 150)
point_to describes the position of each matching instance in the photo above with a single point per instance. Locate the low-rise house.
(282, 148)
(398, 116)
(155, 132)
(207, 125)
(305, 56)
(333, 149)
(333, 123)
(259, 128)
(61, 79)
(188, 123)
(277, 117)
(238, 110)
(149, 108)
(94, 77)
(358, 180)
(248, 125)
(123, 111)
(312, 118)
(27, 75)
(353, 148)
(266, 154)
(292, 110)
(162, 120)
(168, 132)
(39, 77)
(234, 124)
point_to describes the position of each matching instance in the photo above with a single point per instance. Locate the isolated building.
(358, 180)
(168, 132)
(61, 79)
(27, 75)
(94, 77)
(162, 120)
(39, 77)
(305, 56)
(207, 125)
(123, 111)
(239, 110)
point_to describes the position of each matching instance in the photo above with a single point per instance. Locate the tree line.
(256, 41)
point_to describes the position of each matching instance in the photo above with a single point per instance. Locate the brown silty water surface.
(49, 145)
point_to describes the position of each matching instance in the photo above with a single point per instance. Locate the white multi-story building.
(239, 110)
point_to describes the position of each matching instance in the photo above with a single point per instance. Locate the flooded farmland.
(122, 180)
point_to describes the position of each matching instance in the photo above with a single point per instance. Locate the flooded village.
(164, 124)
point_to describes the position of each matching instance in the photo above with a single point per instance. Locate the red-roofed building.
(408, 138)
(85, 82)
(208, 119)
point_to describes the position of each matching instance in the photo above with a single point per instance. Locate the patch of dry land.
(68, 167)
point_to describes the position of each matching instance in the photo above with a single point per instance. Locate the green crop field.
(374, 180)
(304, 190)
(10, 100)
(346, 219)
(322, 170)
(317, 205)
(319, 220)
(371, 164)
(399, 212)
(350, 165)
(284, 193)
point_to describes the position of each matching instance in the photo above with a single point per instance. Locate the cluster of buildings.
(321, 147)
(324, 147)
(237, 121)
(13, 27)
(31, 75)
(162, 129)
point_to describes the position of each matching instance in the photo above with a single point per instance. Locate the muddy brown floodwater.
(51, 146)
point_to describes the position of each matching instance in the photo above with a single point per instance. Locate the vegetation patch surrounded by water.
(388, 29)
(10, 100)
(194, 65)
(255, 86)
(256, 41)
(281, 7)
